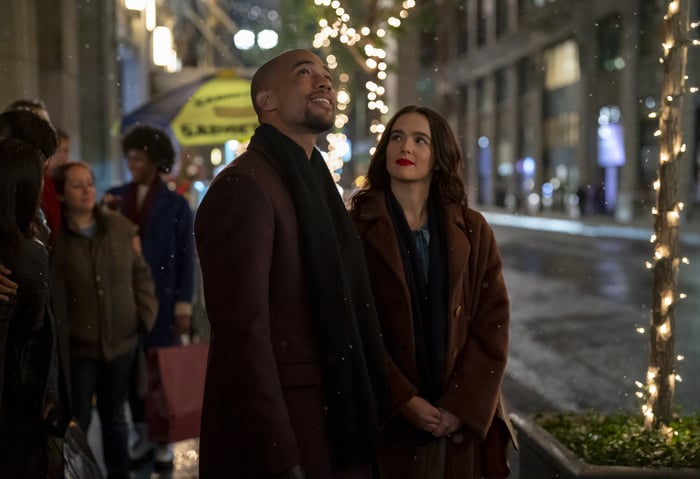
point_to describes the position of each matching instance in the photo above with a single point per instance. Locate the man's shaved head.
(267, 72)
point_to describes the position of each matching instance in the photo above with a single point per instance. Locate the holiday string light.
(362, 43)
(661, 376)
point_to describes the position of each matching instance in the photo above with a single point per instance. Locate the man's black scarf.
(340, 299)
(428, 298)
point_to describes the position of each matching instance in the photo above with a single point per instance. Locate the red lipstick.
(404, 162)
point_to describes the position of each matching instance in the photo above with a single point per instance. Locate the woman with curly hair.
(164, 221)
(442, 302)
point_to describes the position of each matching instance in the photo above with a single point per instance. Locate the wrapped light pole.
(661, 373)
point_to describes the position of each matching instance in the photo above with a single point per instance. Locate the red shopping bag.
(175, 391)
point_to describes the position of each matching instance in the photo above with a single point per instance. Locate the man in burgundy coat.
(295, 383)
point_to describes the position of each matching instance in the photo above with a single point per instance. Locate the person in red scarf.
(49, 200)
(164, 220)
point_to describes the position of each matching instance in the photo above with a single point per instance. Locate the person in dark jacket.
(295, 383)
(33, 128)
(164, 221)
(437, 278)
(26, 339)
(29, 125)
(110, 298)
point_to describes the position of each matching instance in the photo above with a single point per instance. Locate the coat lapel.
(381, 236)
(458, 247)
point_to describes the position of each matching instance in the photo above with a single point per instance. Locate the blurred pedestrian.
(26, 339)
(164, 221)
(443, 306)
(25, 125)
(62, 155)
(49, 203)
(296, 369)
(110, 299)
(31, 104)
(49, 200)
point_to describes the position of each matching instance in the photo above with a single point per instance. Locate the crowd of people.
(84, 291)
(360, 340)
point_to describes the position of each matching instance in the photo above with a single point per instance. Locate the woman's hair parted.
(447, 171)
(20, 186)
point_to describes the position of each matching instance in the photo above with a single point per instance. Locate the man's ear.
(266, 100)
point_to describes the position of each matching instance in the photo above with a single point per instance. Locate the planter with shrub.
(588, 446)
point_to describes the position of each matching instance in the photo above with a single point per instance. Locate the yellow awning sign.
(212, 110)
(220, 110)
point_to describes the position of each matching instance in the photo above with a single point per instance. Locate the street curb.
(581, 228)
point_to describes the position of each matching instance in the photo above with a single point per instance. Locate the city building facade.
(91, 62)
(551, 100)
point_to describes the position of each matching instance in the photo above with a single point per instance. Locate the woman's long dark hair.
(447, 171)
(20, 186)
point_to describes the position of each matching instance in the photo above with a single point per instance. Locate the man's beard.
(317, 123)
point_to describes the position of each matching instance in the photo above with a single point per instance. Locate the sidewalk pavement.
(592, 225)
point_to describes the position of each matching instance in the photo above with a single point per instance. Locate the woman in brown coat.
(442, 302)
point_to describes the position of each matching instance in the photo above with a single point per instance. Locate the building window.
(650, 23)
(561, 65)
(562, 131)
(428, 43)
(462, 112)
(522, 8)
(610, 43)
(526, 75)
(483, 95)
(501, 17)
(462, 25)
(648, 153)
(482, 21)
(502, 84)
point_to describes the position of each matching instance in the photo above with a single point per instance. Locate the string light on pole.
(362, 43)
(661, 376)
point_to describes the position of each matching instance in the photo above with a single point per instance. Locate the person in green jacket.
(110, 300)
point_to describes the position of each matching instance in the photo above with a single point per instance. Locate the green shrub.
(620, 439)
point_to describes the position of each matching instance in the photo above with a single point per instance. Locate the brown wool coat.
(263, 408)
(477, 340)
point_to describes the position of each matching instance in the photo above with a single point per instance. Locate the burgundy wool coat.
(477, 341)
(263, 409)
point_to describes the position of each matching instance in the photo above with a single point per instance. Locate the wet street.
(576, 303)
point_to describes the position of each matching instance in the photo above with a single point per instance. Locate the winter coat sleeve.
(144, 291)
(473, 388)
(185, 252)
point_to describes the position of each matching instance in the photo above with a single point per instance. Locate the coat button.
(458, 438)
(458, 310)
